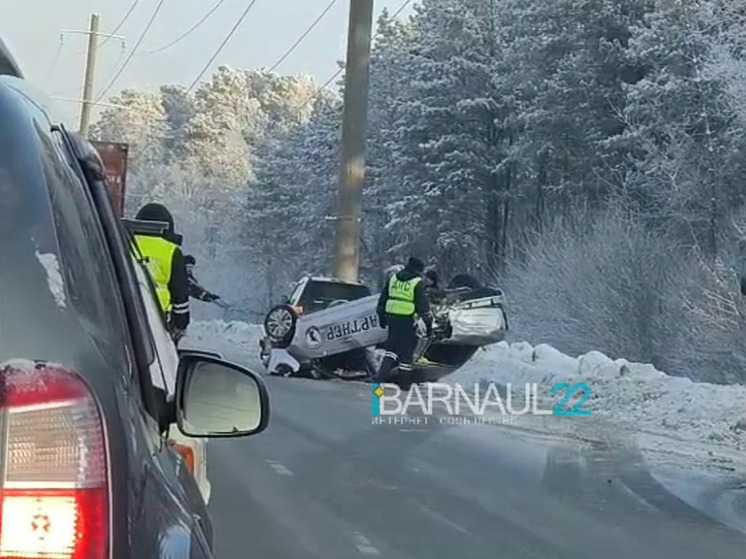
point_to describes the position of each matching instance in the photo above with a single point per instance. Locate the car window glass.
(296, 292)
(318, 295)
(84, 255)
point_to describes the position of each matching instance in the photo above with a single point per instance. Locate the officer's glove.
(177, 334)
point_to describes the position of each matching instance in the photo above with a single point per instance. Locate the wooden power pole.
(352, 168)
(90, 72)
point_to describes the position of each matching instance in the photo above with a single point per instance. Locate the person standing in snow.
(165, 262)
(196, 291)
(403, 298)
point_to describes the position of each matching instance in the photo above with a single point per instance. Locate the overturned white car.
(329, 328)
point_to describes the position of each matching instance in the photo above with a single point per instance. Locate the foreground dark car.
(87, 473)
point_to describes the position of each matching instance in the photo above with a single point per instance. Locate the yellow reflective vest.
(159, 256)
(400, 299)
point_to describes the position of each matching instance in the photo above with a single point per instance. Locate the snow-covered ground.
(237, 341)
(671, 420)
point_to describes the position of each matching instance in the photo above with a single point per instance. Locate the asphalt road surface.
(324, 482)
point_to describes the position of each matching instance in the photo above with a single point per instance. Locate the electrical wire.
(121, 22)
(303, 36)
(188, 32)
(220, 48)
(321, 89)
(122, 53)
(134, 50)
(400, 10)
(56, 59)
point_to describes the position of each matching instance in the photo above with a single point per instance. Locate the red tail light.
(55, 487)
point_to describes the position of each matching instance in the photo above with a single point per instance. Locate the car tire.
(279, 324)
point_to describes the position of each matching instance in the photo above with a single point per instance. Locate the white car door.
(163, 372)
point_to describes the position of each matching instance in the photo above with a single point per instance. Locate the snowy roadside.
(671, 420)
(237, 341)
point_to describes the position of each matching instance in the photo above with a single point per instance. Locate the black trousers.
(400, 345)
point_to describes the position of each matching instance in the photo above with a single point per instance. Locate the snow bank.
(631, 396)
(237, 341)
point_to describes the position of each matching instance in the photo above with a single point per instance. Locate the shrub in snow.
(607, 284)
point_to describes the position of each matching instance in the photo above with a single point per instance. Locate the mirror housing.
(219, 399)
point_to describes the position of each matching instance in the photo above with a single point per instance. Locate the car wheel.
(279, 324)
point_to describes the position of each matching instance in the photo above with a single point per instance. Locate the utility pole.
(352, 168)
(90, 71)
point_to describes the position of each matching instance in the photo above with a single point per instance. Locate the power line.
(122, 53)
(121, 22)
(220, 48)
(134, 50)
(189, 32)
(56, 58)
(303, 36)
(321, 89)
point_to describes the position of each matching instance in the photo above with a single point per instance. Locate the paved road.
(323, 482)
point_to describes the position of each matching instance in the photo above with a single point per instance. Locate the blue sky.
(31, 28)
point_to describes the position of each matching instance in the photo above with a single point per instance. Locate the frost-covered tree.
(682, 135)
(137, 119)
(287, 209)
(178, 106)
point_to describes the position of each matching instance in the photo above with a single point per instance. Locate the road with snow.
(324, 481)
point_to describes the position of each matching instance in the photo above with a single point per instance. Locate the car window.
(89, 276)
(318, 295)
(295, 295)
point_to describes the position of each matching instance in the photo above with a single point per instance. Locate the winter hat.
(189, 260)
(415, 265)
(156, 212)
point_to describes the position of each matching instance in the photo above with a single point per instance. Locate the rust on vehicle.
(114, 156)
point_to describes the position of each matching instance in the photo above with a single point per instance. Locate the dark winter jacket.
(178, 285)
(421, 302)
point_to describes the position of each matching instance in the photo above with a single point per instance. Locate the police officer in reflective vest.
(402, 299)
(165, 262)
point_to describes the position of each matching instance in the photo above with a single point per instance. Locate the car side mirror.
(215, 398)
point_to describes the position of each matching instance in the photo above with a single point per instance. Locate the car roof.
(37, 319)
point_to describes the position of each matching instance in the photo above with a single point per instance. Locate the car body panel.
(163, 372)
(334, 330)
